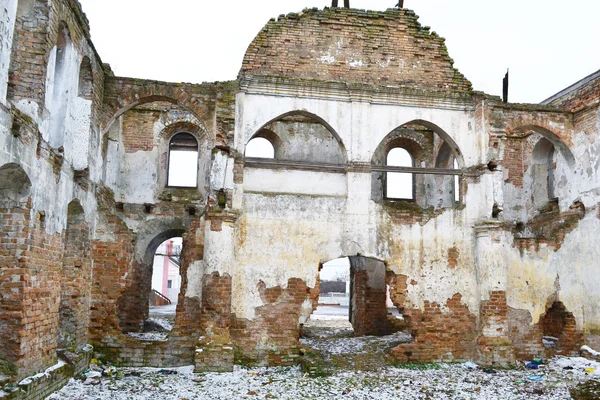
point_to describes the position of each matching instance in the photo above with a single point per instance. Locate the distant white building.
(166, 279)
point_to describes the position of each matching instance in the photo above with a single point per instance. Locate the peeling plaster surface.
(8, 12)
(572, 271)
(138, 176)
(297, 182)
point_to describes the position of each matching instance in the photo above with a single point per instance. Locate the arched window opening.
(399, 185)
(86, 80)
(260, 147)
(183, 161)
(543, 170)
(60, 89)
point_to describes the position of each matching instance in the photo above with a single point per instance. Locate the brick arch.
(192, 127)
(548, 134)
(406, 138)
(444, 135)
(126, 94)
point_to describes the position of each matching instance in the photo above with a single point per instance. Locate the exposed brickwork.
(333, 44)
(453, 257)
(493, 345)
(278, 320)
(439, 334)
(369, 311)
(27, 76)
(79, 277)
(586, 96)
(556, 322)
(36, 32)
(210, 103)
(514, 158)
(76, 285)
(550, 227)
(112, 266)
(137, 130)
(41, 386)
(31, 264)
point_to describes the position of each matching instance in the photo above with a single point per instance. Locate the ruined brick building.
(493, 246)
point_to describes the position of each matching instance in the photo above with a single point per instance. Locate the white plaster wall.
(294, 182)
(60, 105)
(285, 236)
(138, 177)
(573, 271)
(77, 145)
(361, 125)
(114, 154)
(8, 13)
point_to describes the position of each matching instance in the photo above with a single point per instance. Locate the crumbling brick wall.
(30, 268)
(440, 333)
(276, 320)
(333, 44)
(76, 285)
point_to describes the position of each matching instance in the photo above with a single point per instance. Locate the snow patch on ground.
(445, 382)
(591, 351)
(155, 336)
(46, 373)
(355, 345)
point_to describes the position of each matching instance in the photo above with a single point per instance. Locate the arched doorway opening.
(166, 283)
(354, 299)
(148, 310)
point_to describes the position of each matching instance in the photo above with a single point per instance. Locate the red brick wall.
(113, 271)
(76, 286)
(277, 319)
(517, 155)
(393, 46)
(13, 280)
(30, 268)
(439, 334)
(369, 311)
(138, 130)
(584, 97)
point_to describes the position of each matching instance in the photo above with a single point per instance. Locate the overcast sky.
(547, 44)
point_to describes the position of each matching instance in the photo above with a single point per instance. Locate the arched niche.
(75, 293)
(303, 136)
(15, 186)
(543, 169)
(85, 88)
(553, 138)
(60, 87)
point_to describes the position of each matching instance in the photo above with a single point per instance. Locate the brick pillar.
(215, 352)
(494, 347)
(368, 310)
